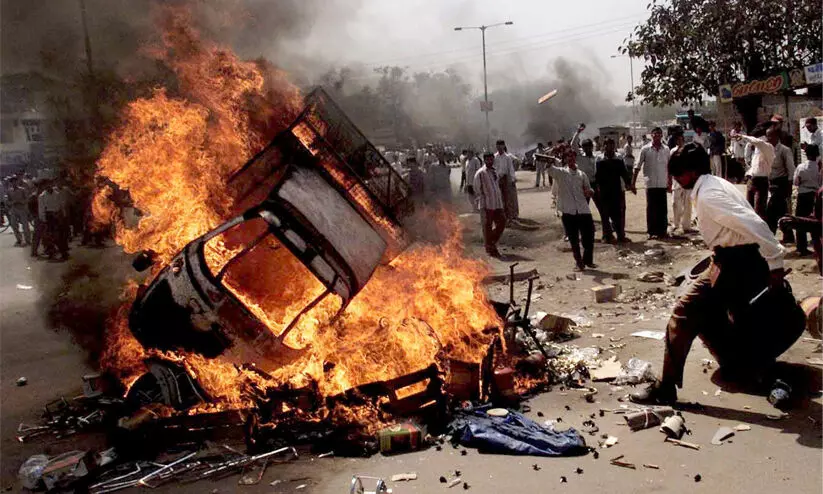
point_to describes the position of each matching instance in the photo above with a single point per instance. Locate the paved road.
(775, 456)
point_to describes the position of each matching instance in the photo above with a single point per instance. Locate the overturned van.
(319, 196)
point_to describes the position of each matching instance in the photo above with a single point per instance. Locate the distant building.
(32, 137)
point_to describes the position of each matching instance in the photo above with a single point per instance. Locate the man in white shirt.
(472, 165)
(654, 160)
(504, 165)
(810, 134)
(741, 306)
(763, 155)
(490, 202)
(681, 198)
(540, 167)
(574, 192)
(628, 153)
(50, 206)
(780, 186)
(738, 146)
(807, 179)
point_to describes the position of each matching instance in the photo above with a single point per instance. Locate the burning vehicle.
(320, 191)
(319, 199)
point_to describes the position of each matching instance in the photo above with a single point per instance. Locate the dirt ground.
(781, 455)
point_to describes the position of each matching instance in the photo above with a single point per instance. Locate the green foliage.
(690, 47)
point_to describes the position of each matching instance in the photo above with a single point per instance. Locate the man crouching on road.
(741, 307)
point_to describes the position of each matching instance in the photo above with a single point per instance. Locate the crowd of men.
(578, 177)
(44, 215)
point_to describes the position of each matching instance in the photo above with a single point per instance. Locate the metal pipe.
(143, 480)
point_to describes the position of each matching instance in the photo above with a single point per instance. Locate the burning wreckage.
(322, 196)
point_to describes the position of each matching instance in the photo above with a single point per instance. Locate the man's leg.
(603, 211)
(804, 207)
(677, 207)
(586, 225)
(36, 236)
(776, 206)
(570, 226)
(761, 196)
(515, 203)
(499, 226)
(24, 218)
(486, 220)
(717, 169)
(620, 225)
(650, 213)
(686, 201)
(694, 311)
(14, 220)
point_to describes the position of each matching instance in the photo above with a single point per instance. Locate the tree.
(692, 46)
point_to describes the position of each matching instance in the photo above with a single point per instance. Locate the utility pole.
(486, 109)
(86, 40)
(634, 100)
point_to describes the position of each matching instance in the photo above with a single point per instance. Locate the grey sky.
(419, 34)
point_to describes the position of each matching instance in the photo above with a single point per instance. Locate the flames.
(174, 152)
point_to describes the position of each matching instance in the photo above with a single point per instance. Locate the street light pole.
(634, 102)
(485, 74)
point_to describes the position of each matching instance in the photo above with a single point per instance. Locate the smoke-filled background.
(406, 101)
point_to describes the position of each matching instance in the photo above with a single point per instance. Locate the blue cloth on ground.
(513, 434)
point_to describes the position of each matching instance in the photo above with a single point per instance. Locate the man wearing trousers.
(762, 158)
(490, 202)
(574, 192)
(741, 306)
(653, 162)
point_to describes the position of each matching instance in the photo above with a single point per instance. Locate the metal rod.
(143, 480)
(528, 299)
(511, 283)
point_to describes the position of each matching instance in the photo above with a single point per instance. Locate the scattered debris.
(357, 486)
(403, 477)
(721, 435)
(651, 465)
(780, 394)
(598, 335)
(718, 391)
(777, 416)
(606, 293)
(443, 479)
(24, 287)
(635, 371)
(674, 427)
(21, 381)
(698, 478)
(610, 441)
(579, 471)
(563, 479)
(618, 461)
(742, 427)
(683, 443)
(647, 417)
(406, 436)
(655, 335)
(454, 482)
(607, 371)
(31, 472)
(535, 467)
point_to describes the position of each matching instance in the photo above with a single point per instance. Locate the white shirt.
(655, 166)
(815, 137)
(587, 165)
(726, 219)
(699, 139)
(487, 189)
(807, 177)
(783, 164)
(738, 147)
(570, 186)
(472, 165)
(762, 157)
(504, 166)
(628, 155)
(49, 202)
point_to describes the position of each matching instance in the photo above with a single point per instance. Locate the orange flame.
(173, 153)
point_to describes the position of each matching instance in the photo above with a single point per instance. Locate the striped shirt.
(487, 189)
